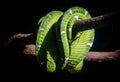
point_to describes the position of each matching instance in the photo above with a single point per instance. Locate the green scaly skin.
(43, 42)
(57, 47)
(75, 48)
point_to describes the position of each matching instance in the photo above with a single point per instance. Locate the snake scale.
(57, 46)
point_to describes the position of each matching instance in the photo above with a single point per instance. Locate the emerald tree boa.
(57, 46)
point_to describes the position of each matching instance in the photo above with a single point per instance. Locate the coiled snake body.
(57, 46)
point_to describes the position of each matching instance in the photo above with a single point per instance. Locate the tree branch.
(91, 56)
(29, 49)
(94, 22)
(28, 40)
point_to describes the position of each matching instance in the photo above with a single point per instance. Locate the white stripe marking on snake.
(62, 32)
(70, 11)
(41, 29)
(70, 29)
(90, 44)
(76, 17)
(86, 13)
(49, 15)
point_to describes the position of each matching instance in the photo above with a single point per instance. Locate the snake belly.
(57, 46)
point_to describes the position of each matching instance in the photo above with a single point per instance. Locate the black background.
(22, 17)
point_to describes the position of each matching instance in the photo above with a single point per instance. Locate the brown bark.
(28, 40)
(29, 49)
(95, 22)
(91, 56)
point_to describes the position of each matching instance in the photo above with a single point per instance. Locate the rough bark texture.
(23, 40)
(26, 42)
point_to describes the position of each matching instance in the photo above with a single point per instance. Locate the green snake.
(57, 46)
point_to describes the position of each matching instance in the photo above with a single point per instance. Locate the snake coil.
(57, 46)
